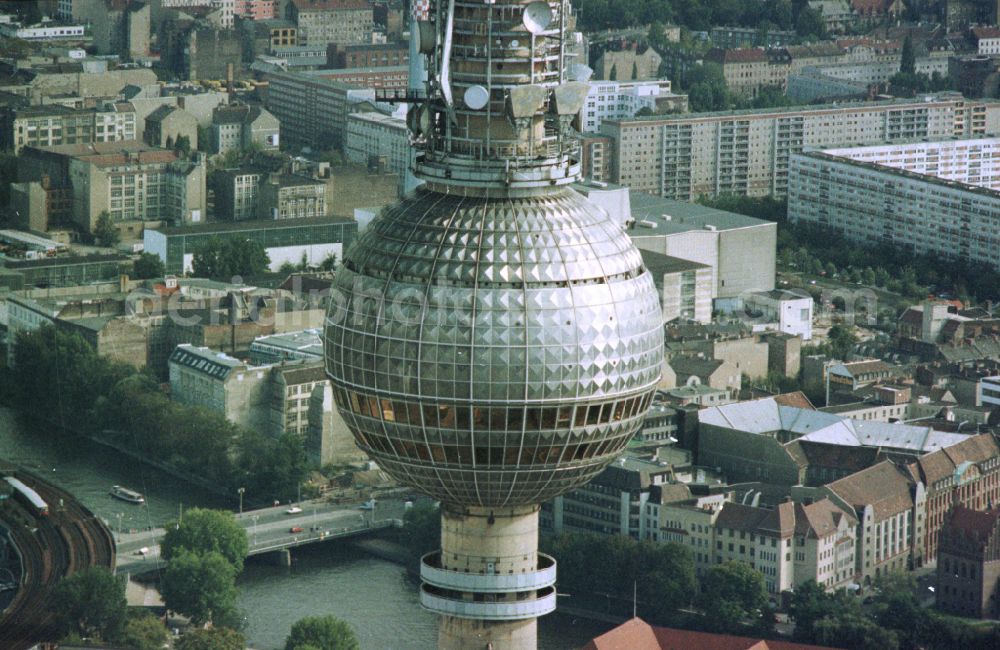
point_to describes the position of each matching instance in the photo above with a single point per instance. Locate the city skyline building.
(496, 338)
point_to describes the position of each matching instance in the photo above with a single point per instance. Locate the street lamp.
(241, 491)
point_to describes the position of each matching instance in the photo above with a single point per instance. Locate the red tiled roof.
(796, 399)
(637, 634)
(975, 524)
(883, 486)
(985, 32)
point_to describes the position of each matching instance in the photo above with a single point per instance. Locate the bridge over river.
(271, 529)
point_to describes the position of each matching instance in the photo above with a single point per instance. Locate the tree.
(199, 586)
(707, 89)
(90, 603)
(148, 266)
(329, 262)
(841, 340)
(144, 633)
(809, 23)
(733, 592)
(219, 638)
(207, 531)
(613, 75)
(105, 232)
(908, 59)
(854, 631)
(183, 144)
(274, 468)
(635, 69)
(224, 259)
(323, 633)
(422, 527)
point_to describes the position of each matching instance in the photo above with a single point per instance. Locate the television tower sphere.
(494, 352)
(493, 339)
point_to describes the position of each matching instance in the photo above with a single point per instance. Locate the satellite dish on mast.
(537, 17)
(476, 97)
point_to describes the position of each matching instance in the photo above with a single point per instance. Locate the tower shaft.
(488, 582)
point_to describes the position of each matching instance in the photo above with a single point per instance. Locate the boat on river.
(126, 494)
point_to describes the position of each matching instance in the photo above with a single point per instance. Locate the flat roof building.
(285, 240)
(937, 198)
(747, 152)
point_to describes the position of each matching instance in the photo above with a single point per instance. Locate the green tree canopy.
(144, 633)
(706, 88)
(323, 633)
(199, 586)
(105, 232)
(90, 603)
(908, 58)
(422, 527)
(274, 468)
(219, 638)
(733, 593)
(226, 258)
(61, 375)
(148, 266)
(809, 24)
(206, 531)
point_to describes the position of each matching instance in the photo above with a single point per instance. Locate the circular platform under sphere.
(493, 352)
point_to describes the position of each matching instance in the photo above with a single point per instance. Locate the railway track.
(69, 540)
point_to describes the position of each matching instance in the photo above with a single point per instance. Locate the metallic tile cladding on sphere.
(493, 351)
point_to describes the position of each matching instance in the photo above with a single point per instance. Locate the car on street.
(295, 529)
(294, 510)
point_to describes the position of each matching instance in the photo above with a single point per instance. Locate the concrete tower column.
(488, 581)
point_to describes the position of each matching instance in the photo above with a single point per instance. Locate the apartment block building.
(292, 386)
(238, 127)
(54, 124)
(131, 181)
(378, 55)
(789, 544)
(166, 125)
(214, 380)
(748, 152)
(275, 399)
(619, 100)
(967, 475)
(236, 192)
(790, 311)
(290, 196)
(378, 140)
(321, 22)
(612, 503)
(749, 70)
(937, 198)
(890, 511)
(312, 110)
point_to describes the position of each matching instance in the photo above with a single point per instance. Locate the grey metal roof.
(212, 363)
(684, 217)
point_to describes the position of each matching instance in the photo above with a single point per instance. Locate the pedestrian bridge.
(268, 530)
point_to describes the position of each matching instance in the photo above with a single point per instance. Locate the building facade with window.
(749, 152)
(940, 198)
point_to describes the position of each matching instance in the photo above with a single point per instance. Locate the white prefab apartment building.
(371, 134)
(748, 152)
(790, 311)
(619, 100)
(939, 198)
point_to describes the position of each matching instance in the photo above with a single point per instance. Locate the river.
(376, 597)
